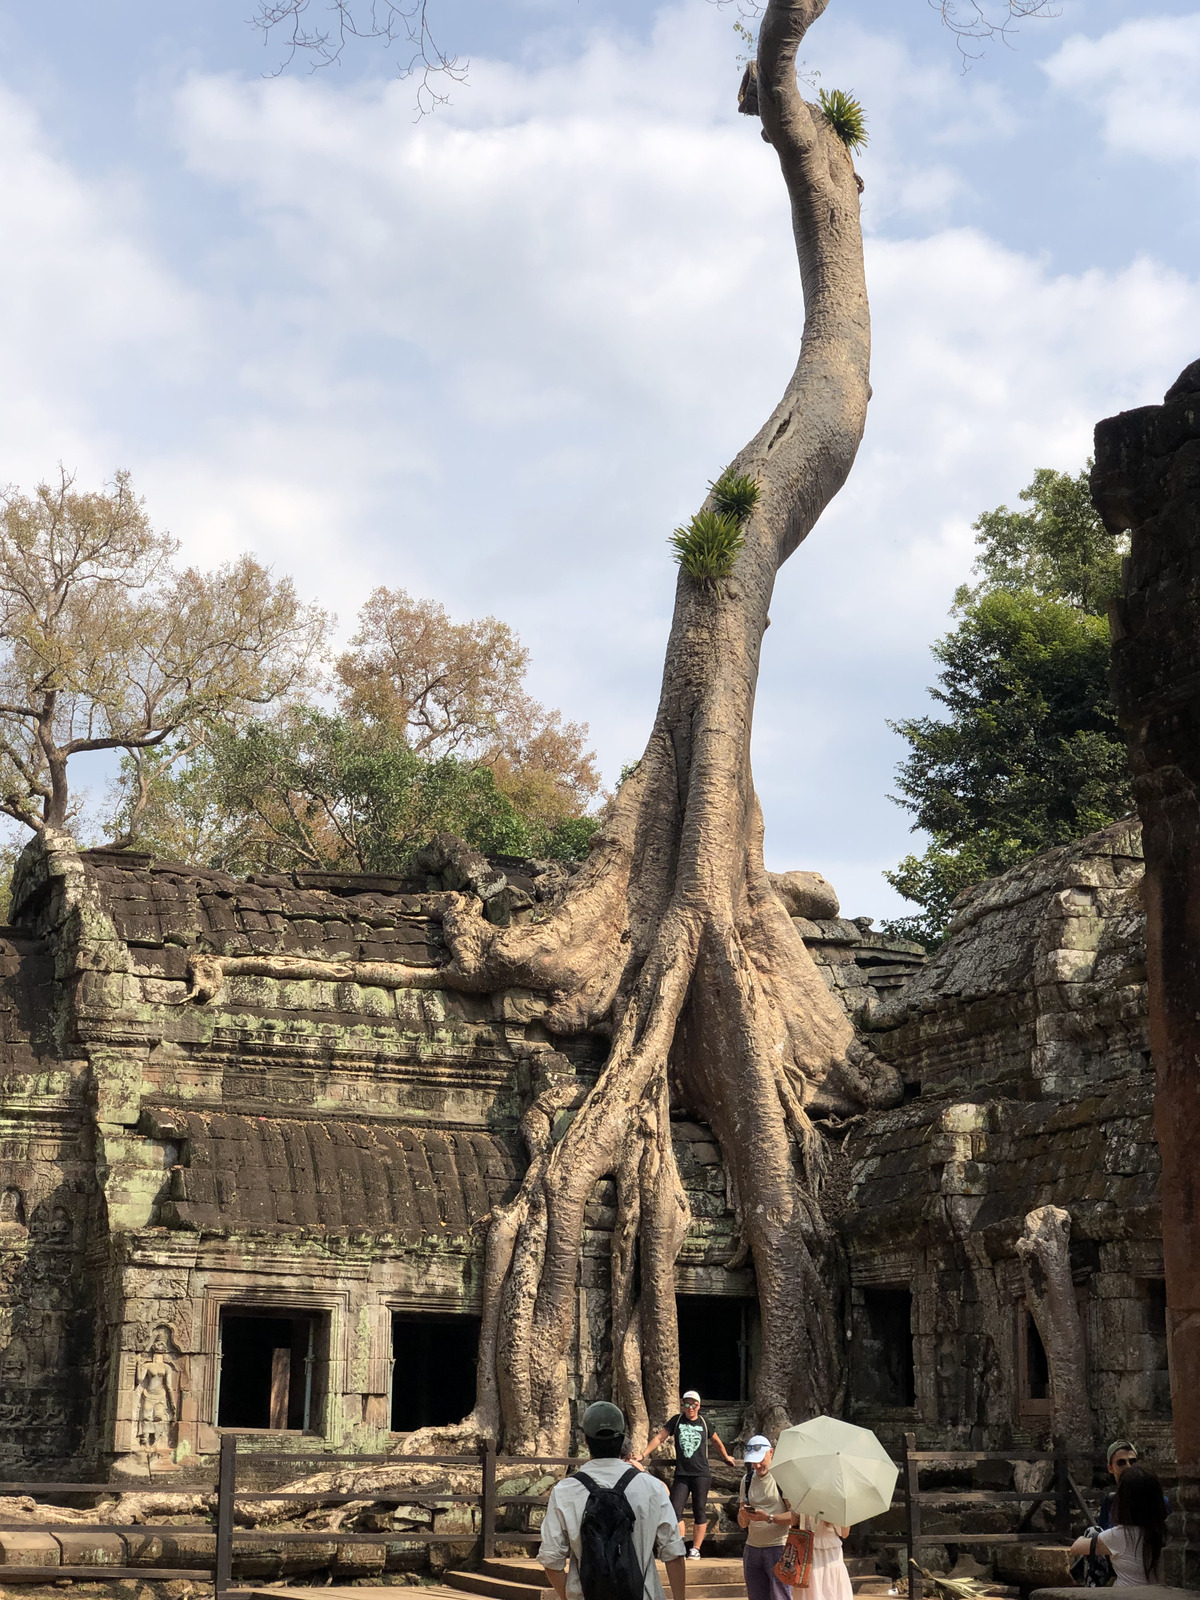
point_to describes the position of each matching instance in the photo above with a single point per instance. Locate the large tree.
(432, 732)
(671, 939)
(1027, 753)
(105, 645)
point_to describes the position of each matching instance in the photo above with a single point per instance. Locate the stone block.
(1033, 1564)
(82, 1548)
(186, 1549)
(29, 1550)
(361, 1560)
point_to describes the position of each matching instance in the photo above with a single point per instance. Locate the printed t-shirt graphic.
(691, 1446)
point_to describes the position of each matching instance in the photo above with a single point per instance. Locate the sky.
(493, 354)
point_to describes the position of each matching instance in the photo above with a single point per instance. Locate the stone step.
(511, 1578)
(514, 1569)
(487, 1583)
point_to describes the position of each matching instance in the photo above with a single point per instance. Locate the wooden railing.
(487, 1499)
(226, 1534)
(1063, 1492)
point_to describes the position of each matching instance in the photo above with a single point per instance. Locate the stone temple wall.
(327, 1151)
(1024, 1051)
(309, 1146)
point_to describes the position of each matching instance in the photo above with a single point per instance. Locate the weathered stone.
(1147, 480)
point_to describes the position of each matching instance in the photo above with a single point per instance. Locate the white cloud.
(82, 303)
(494, 356)
(1141, 77)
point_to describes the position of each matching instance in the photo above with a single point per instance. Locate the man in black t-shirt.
(693, 1475)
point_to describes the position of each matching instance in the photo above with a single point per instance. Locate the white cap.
(756, 1449)
(691, 1395)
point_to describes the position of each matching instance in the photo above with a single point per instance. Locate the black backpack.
(609, 1568)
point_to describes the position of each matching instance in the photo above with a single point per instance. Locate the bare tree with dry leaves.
(105, 645)
(671, 939)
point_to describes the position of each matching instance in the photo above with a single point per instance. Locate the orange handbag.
(794, 1566)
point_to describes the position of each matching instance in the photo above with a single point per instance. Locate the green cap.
(603, 1420)
(1121, 1444)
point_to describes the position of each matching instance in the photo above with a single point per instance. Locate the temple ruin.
(247, 1167)
(256, 1203)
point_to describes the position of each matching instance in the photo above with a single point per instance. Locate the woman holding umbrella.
(832, 1475)
(767, 1519)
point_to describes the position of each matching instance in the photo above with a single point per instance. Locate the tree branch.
(386, 20)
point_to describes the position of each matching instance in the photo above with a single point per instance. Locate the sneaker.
(693, 1554)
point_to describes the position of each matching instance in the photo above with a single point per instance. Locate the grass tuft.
(845, 116)
(708, 547)
(735, 494)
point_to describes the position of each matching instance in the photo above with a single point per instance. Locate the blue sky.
(494, 355)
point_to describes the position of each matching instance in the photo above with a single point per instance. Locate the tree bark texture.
(1044, 1249)
(673, 940)
(674, 943)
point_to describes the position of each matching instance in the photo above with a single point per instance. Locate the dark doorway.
(881, 1351)
(714, 1346)
(268, 1373)
(433, 1369)
(1037, 1368)
(1156, 1375)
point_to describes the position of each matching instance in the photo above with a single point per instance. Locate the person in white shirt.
(1134, 1542)
(656, 1533)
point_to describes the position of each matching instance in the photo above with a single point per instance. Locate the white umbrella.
(835, 1471)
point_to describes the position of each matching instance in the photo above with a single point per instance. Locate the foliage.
(845, 116)
(457, 688)
(1029, 755)
(433, 732)
(708, 547)
(441, 686)
(735, 494)
(168, 801)
(1058, 548)
(105, 645)
(314, 790)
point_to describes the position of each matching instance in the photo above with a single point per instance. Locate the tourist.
(654, 1531)
(693, 1475)
(1122, 1453)
(1134, 1541)
(766, 1517)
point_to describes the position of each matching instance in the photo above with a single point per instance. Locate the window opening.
(1033, 1369)
(433, 1369)
(267, 1370)
(714, 1346)
(883, 1371)
(1036, 1366)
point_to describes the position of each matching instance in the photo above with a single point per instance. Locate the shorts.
(697, 1489)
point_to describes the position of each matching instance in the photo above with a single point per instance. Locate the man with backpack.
(611, 1520)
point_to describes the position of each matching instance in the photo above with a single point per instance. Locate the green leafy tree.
(320, 791)
(1029, 754)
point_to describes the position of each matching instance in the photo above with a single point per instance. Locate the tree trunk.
(1044, 1249)
(672, 937)
(673, 942)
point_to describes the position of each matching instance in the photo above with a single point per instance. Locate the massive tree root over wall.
(673, 942)
(673, 939)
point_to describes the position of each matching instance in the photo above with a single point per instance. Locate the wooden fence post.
(226, 1489)
(912, 1513)
(488, 1469)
